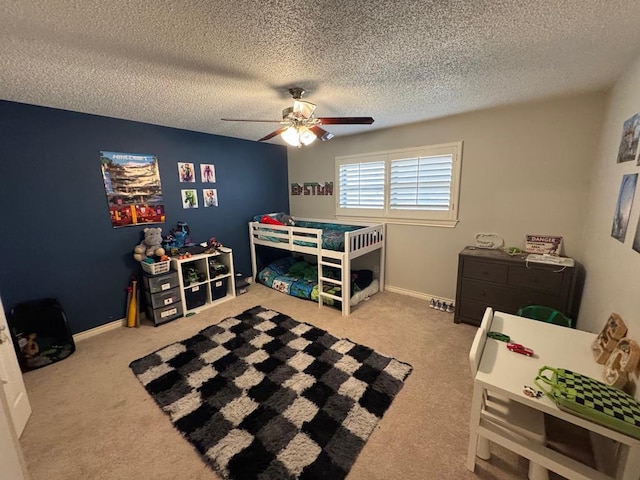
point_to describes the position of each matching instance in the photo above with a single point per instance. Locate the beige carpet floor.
(92, 419)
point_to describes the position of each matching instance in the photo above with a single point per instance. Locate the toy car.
(516, 347)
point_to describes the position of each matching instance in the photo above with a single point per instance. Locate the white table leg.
(629, 463)
(474, 422)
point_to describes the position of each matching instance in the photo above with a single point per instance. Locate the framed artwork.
(636, 238)
(208, 173)
(186, 172)
(623, 206)
(629, 141)
(189, 198)
(210, 196)
(132, 184)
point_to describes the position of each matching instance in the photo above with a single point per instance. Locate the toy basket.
(545, 314)
(156, 268)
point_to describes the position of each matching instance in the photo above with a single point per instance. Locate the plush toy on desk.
(150, 247)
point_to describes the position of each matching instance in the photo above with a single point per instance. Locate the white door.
(12, 385)
(11, 460)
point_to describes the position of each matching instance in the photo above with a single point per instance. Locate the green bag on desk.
(591, 399)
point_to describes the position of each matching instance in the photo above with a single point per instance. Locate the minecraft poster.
(134, 193)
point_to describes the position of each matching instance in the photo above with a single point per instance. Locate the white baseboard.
(92, 332)
(412, 293)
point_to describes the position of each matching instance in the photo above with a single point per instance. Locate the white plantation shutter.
(362, 185)
(412, 185)
(422, 183)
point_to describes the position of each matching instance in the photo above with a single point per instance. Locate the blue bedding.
(300, 279)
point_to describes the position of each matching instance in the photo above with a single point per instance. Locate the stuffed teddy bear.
(151, 246)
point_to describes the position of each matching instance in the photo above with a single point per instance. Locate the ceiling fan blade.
(321, 133)
(345, 120)
(275, 133)
(247, 120)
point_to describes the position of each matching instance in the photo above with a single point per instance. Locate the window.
(417, 185)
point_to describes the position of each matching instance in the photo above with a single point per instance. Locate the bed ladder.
(345, 287)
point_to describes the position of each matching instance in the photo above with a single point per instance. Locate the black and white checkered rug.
(263, 396)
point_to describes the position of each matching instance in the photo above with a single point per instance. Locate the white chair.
(502, 412)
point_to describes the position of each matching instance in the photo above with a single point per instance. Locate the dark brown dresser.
(493, 278)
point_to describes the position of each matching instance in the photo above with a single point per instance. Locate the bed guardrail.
(264, 233)
(365, 239)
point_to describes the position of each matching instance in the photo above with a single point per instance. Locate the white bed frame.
(357, 243)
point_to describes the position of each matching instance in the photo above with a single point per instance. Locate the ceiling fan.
(300, 126)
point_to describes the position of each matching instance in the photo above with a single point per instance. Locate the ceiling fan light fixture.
(296, 136)
(299, 126)
(290, 135)
(307, 137)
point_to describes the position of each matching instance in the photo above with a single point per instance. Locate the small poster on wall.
(207, 173)
(629, 140)
(186, 172)
(189, 198)
(636, 239)
(210, 196)
(623, 206)
(132, 183)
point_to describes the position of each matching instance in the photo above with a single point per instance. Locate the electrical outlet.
(376, 269)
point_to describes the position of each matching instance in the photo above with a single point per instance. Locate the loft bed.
(331, 247)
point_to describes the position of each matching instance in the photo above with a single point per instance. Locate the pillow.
(282, 265)
(270, 221)
(274, 215)
(281, 217)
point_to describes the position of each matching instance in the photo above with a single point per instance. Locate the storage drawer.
(535, 278)
(164, 314)
(489, 293)
(219, 288)
(195, 296)
(471, 311)
(490, 272)
(160, 283)
(163, 299)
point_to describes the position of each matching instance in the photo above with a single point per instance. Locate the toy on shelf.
(151, 247)
(178, 237)
(191, 275)
(612, 332)
(212, 245)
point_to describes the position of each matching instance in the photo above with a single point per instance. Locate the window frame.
(441, 218)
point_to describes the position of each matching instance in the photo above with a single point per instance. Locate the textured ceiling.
(189, 63)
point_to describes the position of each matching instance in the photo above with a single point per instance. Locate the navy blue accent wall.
(58, 240)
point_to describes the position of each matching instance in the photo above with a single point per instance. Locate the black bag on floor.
(40, 333)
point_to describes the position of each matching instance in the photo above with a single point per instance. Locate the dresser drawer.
(489, 293)
(490, 272)
(535, 278)
(471, 311)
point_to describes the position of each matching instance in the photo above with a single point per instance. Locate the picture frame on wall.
(210, 196)
(186, 171)
(629, 140)
(636, 238)
(189, 198)
(207, 173)
(623, 206)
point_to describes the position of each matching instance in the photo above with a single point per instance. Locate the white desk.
(506, 373)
